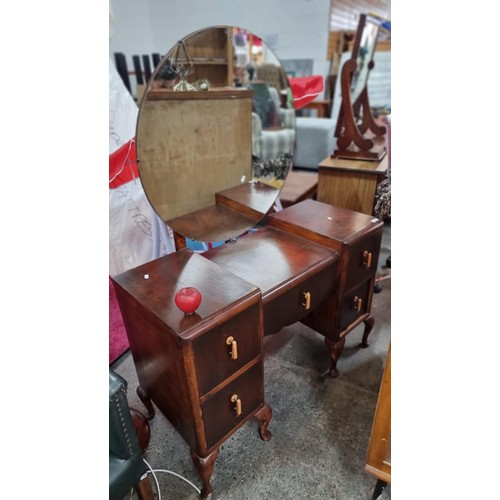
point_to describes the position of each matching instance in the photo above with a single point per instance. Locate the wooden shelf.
(212, 54)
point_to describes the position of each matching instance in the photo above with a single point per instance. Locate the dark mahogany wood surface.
(219, 414)
(272, 260)
(324, 223)
(252, 199)
(164, 342)
(220, 290)
(357, 264)
(212, 223)
(212, 355)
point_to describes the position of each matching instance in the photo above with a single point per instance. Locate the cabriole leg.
(205, 467)
(335, 349)
(369, 323)
(264, 416)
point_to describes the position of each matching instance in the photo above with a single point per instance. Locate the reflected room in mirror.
(215, 134)
(358, 135)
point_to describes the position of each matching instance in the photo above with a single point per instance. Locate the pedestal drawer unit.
(357, 237)
(204, 371)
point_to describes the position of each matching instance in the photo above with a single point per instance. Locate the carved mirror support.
(358, 135)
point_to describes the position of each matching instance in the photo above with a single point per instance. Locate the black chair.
(127, 468)
(146, 63)
(138, 70)
(121, 67)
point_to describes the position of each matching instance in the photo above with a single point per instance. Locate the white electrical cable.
(154, 476)
(152, 471)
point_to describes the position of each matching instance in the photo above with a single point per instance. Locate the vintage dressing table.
(310, 262)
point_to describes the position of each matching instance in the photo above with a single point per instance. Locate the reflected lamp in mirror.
(182, 65)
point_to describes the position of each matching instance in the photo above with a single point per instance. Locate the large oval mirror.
(215, 134)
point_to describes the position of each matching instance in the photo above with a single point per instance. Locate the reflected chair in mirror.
(273, 75)
(127, 468)
(273, 127)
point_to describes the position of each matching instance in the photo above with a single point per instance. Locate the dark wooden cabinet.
(357, 238)
(310, 262)
(183, 362)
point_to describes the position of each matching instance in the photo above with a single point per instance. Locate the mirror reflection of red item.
(188, 299)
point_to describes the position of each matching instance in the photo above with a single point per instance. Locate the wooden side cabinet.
(350, 184)
(204, 371)
(378, 461)
(357, 238)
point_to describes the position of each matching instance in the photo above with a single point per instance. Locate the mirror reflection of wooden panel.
(202, 145)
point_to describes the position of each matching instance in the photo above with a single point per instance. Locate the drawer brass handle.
(367, 259)
(307, 298)
(234, 347)
(357, 303)
(237, 400)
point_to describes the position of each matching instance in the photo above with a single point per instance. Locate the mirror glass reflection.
(363, 51)
(215, 133)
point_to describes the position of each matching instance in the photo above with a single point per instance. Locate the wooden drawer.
(290, 306)
(219, 415)
(363, 259)
(352, 309)
(213, 354)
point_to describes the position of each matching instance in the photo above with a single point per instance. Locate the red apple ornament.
(188, 300)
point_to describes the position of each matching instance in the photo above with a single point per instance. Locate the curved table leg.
(205, 467)
(335, 352)
(146, 401)
(264, 416)
(369, 323)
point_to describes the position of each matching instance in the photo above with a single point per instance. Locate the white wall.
(299, 27)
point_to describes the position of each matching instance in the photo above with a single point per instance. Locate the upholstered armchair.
(127, 469)
(272, 74)
(273, 127)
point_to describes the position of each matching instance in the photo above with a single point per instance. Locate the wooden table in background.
(299, 186)
(350, 184)
(322, 108)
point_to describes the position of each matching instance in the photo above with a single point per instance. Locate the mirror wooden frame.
(364, 140)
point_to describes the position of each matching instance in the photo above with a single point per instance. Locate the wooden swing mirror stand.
(358, 135)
